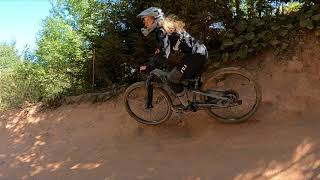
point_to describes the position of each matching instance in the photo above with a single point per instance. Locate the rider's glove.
(155, 61)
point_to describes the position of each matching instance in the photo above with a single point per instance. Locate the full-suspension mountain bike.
(229, 95)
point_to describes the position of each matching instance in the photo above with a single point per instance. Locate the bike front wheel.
(135, 98)
(241, 86)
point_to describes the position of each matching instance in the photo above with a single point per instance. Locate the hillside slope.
(100, 141)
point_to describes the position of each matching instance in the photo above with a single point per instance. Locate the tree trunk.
(238, 11)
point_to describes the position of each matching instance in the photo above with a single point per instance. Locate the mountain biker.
(171, 35)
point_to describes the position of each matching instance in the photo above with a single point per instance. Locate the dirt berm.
(100, 141)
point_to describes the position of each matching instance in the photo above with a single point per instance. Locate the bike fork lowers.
(149, 94)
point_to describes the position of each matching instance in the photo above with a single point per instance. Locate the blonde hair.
(172, 24)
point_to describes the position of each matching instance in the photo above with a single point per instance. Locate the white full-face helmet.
(158, 16)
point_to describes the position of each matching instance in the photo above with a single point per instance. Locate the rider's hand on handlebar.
(157, 51)
(143, 69)
(151, 64)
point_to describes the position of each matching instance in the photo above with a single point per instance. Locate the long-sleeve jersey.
(182, 42)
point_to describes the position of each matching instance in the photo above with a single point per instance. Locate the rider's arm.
(163, 43)
(164, 48)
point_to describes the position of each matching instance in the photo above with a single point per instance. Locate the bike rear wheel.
(242, 86)
(135, 98)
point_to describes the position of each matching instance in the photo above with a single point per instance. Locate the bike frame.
(194, 90)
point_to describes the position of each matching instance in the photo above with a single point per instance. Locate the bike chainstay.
(228, 98)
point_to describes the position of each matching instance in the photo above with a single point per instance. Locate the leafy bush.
(249, 36)
(99, 42)
(19, 80)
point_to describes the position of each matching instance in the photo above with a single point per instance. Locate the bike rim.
(136, 102)
(247, 93)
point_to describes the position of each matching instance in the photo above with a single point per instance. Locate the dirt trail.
(100, 141)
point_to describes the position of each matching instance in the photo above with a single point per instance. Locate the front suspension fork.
(149, 93)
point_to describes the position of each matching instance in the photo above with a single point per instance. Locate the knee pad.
(174, 76)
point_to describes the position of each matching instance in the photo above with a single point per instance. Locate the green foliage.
(252, 35)
(62, 56)
(19, 79)
(98, 42)
(292, 7)
(111, 30)
(8, 57)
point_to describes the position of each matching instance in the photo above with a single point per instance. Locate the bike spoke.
(235, 84)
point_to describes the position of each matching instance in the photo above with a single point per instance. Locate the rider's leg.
(189, 66)
(174, 78)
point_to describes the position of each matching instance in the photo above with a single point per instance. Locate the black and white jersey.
(182, 42)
